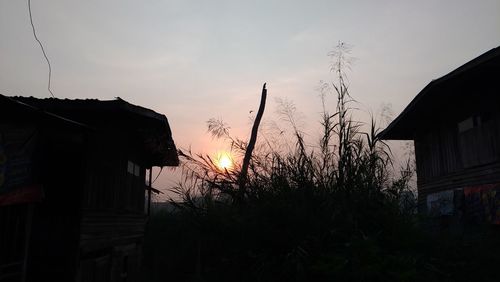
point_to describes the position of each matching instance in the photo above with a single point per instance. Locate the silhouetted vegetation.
(331, 212)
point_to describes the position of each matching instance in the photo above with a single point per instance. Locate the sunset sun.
(224, 161)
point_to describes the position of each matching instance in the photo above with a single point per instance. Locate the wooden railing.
(103, 229)
(12, 271)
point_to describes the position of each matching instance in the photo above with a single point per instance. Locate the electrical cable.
(161, 169)
(41, 46)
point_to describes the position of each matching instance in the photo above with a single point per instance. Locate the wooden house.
(455, 124)
(73, 187)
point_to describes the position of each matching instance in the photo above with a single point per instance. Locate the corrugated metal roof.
(103, 115)
(425, 105)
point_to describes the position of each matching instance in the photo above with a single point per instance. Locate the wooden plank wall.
(103, 230)
(112, 216)
(449, 159)
(108, 185)
(12, 241)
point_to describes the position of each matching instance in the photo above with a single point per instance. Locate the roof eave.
(396, 129)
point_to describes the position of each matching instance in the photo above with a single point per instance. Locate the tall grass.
(323, 213)
(330, 212)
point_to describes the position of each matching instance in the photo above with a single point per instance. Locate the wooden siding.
(449, 159)
(108, 185)
(53, 241)
(106, 229)
(437, 154)
(444, 150)
(112, 216)
(117, 264)
(14, 225)
(110, 246)
(479, 145)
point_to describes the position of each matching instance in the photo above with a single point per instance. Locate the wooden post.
(150, 190)
(27, 237)
(251, 143)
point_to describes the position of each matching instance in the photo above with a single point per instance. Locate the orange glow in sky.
(224, 161)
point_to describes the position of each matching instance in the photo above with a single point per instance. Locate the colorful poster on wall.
(440, 203)
(17, 146)
(26, 194)
(482, 203)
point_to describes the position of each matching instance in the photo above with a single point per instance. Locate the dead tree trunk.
(251, 144)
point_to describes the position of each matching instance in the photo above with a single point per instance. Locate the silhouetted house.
(73, 184)
(455, 123)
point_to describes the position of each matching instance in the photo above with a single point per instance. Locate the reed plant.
(306, 214)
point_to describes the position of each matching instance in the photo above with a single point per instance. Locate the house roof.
(151, 128)
(446, 96)
(10, 106)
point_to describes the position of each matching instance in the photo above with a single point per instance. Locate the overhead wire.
(158, 175)
(43, 50)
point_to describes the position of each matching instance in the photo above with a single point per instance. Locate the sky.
(194, 60)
